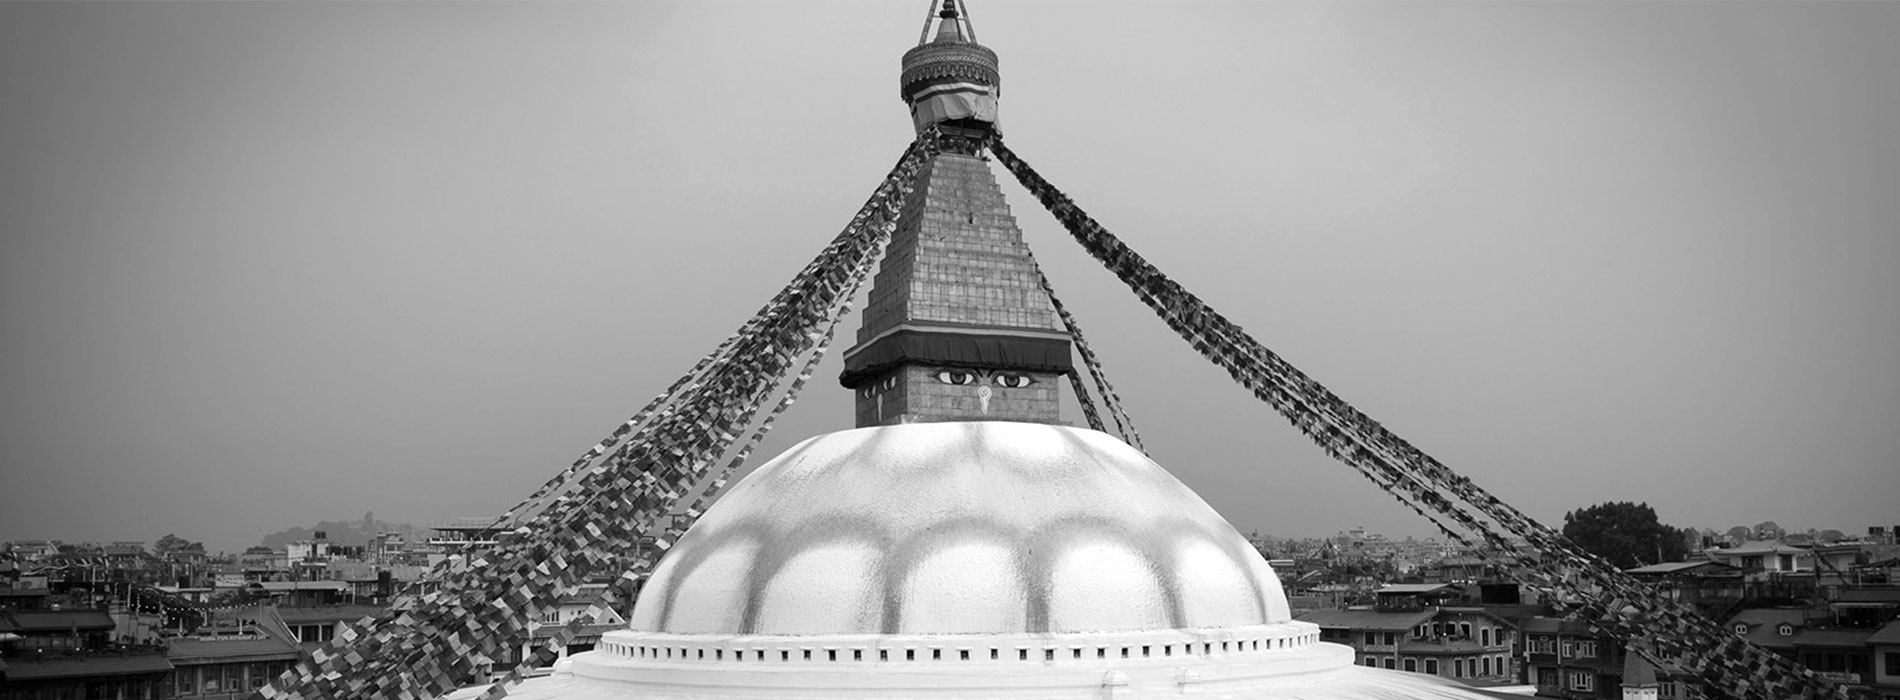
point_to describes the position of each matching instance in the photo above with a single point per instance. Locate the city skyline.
(271, 264)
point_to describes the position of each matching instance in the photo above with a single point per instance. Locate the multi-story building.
(1468, 644)
(1564, 659)
(226, 667)
(1841, 655)
(1709, 586)
(1769, 556)
(69, 654)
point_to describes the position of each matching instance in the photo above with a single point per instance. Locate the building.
(1773, 629)
(311, 626)
(1885, 646)
(68, 654)
(1565, 659)
(459, 535)
(1708, 586)
(1842, 655)
(962, 543)
(1468, 644)
(226, 667)
(1769, 556)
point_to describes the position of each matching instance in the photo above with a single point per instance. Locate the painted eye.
(1014, 381)
(958, 377)
(890, 382)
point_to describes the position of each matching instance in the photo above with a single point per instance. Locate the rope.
(1124, 426)
(1625, 608)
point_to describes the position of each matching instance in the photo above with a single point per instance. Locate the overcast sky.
(267, 264)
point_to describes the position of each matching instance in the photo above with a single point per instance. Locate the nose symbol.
(983, 397)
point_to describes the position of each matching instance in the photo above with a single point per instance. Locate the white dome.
(959, 528)
(966, 561)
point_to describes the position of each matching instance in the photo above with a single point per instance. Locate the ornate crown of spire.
(952, 58)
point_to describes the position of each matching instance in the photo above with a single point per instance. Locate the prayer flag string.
(592, 519)
(1654, 626)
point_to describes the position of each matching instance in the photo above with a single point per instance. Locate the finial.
(951, 78)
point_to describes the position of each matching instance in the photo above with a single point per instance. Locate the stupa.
(962, 542)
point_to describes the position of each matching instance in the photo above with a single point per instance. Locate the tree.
(1627, 534)
(1739, 534)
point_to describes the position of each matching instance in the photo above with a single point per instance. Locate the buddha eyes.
(1013, 381)
(958, 377)
(961, 377)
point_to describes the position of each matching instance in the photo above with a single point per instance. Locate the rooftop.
(1764, 625)
(1759, 547)
(188, 651)
(54, 620)
(1678, 567)
(1414, 588)
(1887, 635)
(86, 666)
(1847, 638)
(1366, 619)
(327, 613)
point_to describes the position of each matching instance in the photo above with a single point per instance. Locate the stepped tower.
(958, 326)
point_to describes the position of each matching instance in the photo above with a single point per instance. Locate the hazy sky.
(266, 264)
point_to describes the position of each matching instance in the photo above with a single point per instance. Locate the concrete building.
(69, 654)
(1468, 644)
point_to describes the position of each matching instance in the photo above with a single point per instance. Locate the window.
(1372, 662)
(1371, 639)
(1582, 680)
(1431, 666)
(1785, 630)
(1411, 665)
(1587, 649)
(1388, 662)
(1464, 629)
(1486, 665)
(1484, 637)
(1741, 628)
(1391, 639)
(1458, 668)
(1892, 660)
(1568, 647)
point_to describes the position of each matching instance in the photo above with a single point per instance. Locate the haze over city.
(269, 264)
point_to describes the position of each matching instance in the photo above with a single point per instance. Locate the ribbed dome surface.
(959, 528)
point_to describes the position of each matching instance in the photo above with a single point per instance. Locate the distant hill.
(344, 532)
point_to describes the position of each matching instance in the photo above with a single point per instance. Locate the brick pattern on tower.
(956, 268)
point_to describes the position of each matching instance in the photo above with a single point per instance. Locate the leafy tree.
(172, 543)
(1831, 536)
(1739, 534)
(1627, 534)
